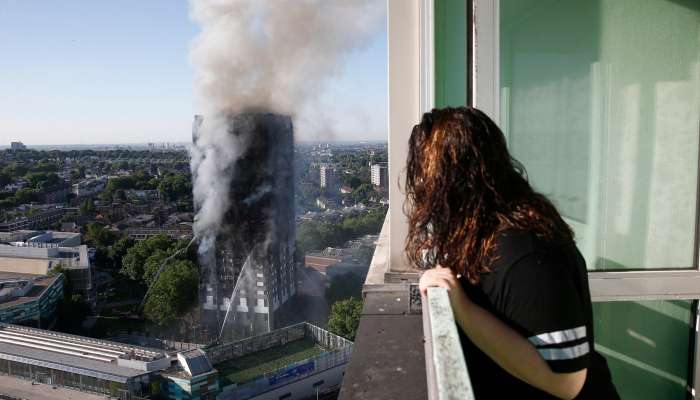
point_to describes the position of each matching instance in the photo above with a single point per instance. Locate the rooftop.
(39, 285)
(92, 357)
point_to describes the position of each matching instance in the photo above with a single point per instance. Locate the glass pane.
(600, 101)
(646, 344)
(450, 53)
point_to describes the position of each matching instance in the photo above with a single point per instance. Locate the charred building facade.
(250, 271)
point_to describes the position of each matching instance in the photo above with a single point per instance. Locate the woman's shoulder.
(512, 246)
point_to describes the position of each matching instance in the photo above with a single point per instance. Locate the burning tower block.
(257, 240)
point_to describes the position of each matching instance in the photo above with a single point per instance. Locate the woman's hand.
(444, 278)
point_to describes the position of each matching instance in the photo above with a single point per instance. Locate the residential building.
(17, 146)
(380, 175)
(89, 187)
(42, 219)
(256, 241)
(327, 176)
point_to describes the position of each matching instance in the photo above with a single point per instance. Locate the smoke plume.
(273, 55)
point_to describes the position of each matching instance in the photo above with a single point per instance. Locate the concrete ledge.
(388, 361)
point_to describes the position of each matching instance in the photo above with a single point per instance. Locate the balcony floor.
(388, 360)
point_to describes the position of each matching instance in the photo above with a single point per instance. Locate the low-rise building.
(43, 252)
(42, 219)
(82, 363)
(89, 187)
(29, 299)
(192, 378)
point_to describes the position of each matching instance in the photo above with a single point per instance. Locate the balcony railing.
(446, 368)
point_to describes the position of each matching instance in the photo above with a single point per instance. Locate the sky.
(108, 72)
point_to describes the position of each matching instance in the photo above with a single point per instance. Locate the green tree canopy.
(345, 317)
(174, 186)
(173, 294)
(133, 263)
(100, 236)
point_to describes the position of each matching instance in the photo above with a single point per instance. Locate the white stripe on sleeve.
(558, 337)
(566, 353)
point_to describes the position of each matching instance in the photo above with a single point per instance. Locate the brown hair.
(463, 188)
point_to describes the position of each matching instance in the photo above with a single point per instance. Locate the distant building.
(81, 363)
(29, 299)
(41, 252)
(41, 220)
(89, 187)
(17, 146)
(256, 241)
(380, 175)
(327, 176)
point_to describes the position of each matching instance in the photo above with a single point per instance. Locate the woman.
(516, 280)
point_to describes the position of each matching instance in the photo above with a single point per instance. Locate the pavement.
(20, 389)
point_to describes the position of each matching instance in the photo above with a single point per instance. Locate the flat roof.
(71, 353)
(40, 285)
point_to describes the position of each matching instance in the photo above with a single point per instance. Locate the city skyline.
(79, 73)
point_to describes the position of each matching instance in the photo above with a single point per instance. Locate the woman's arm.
(505, 346)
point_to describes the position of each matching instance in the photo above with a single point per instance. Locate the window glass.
(600, 102)
(450, 53)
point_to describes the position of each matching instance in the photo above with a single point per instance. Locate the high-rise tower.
(256, 241)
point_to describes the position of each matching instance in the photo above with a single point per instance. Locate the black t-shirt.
(540, 290)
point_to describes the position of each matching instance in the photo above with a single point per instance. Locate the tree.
(173, 293)
(119, 250)
(26, 195)
(134, 261)
(87, 207)
(345, 317)
(351, 180)
(174, 186)
(99, 236)
(362, 193)
(5, 179)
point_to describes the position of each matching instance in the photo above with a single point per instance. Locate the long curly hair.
(463, 188)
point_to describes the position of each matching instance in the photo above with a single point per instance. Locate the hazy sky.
(88, 71)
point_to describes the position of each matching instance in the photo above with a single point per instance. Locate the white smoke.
(273, 55)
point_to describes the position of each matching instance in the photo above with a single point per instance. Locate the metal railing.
(446, 367)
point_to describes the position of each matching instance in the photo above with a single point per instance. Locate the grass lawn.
(249, 367)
